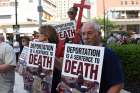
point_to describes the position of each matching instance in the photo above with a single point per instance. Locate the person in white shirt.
(7, 67)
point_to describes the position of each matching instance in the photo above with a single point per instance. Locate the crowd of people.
(37, 80)
(120, 38)
(117, 38)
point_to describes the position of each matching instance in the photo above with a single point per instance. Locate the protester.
(7, 67)
(35, 36)
(24, 42)
(111, 39)
(72, 12)
(112, 77)
(47, 34)
(23, 69)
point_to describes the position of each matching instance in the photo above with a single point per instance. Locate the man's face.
(36, 36)
(72, 15)
(43, 37)
(24, 42)
(90, 36)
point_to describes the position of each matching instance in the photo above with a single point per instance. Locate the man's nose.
(85, 36)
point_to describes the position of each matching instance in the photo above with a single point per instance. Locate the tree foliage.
(109, 25)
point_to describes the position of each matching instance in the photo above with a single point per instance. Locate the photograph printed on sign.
(82, 68)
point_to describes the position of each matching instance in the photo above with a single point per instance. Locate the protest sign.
(41, 54)
(66, 34)
(82, 67)
(24, 53)
(22, 62)
(65, 30)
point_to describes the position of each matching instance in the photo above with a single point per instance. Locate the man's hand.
(58, 63)
(115, 88)
(5, 67)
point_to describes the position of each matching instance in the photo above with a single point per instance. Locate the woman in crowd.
(47, 34)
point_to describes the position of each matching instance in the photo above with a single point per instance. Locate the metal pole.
(107, 25)
(16, 42)
(104, 19)
(40, 11)
(16, 12)
(16, 26)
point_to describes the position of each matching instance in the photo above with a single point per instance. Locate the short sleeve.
(9, 55)
(112, 71)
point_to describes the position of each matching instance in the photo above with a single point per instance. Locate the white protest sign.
(41, 53)
(83, 59)
(24, 53)
(65, 30)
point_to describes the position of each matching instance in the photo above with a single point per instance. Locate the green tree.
(109, 25)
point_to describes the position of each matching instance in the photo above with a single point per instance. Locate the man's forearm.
(115, 88)
(5, 68)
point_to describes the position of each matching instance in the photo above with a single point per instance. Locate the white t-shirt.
(7, 56)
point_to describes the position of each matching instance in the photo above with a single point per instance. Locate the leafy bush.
(130, 58)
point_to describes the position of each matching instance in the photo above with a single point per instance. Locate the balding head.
(93, 25)
(91, 33)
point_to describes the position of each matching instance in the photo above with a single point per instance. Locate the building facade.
(27, 14)
(125, 13)
(64, 5)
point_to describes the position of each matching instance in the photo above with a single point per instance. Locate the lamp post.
(16, 26)
(104, 19)
(40, 11)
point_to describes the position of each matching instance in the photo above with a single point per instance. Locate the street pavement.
(19, 86)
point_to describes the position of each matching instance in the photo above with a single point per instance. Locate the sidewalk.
(19, 86)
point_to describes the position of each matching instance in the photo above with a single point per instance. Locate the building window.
(136, 2)
(12, 3)
(125, 2)
(121, 2)
(30, 1)
(5, 16)
(132, 2)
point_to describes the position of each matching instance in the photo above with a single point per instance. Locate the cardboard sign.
(41, 54)
(82, 63)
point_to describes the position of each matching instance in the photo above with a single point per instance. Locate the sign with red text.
(41, 54)
(82, 68)
(65, 30)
